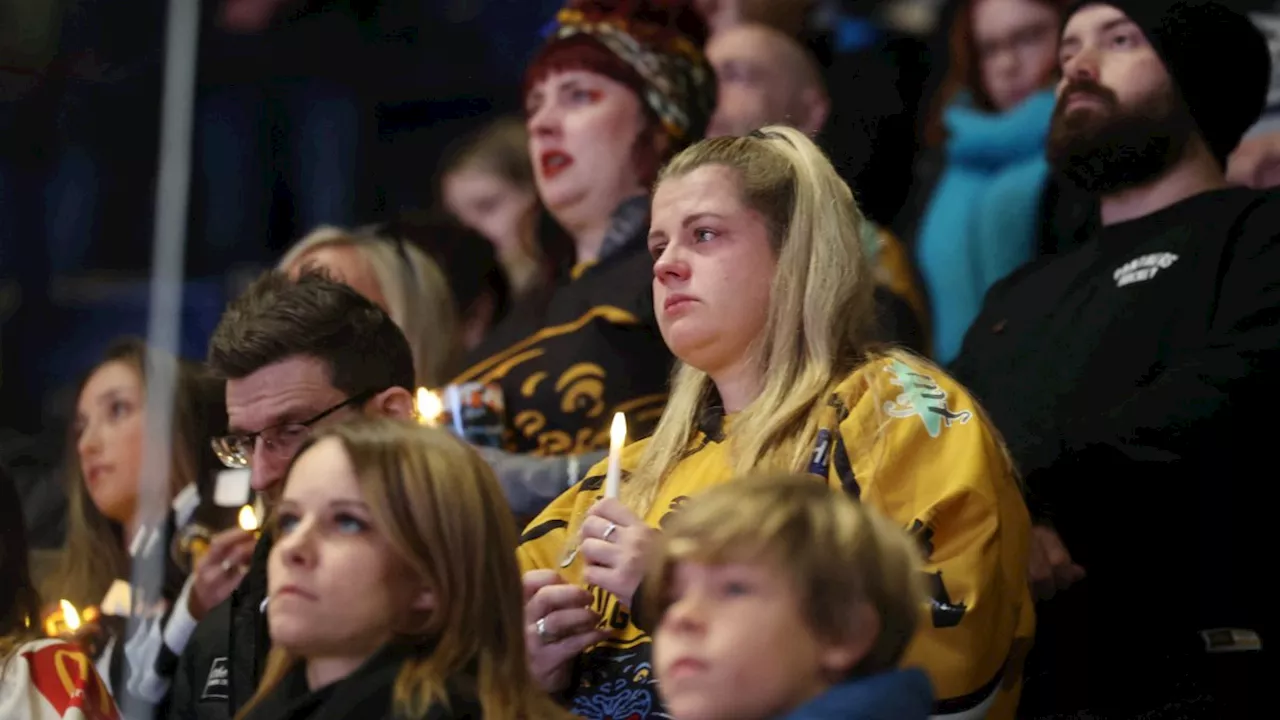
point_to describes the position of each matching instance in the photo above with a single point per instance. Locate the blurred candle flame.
(248, 518)
(618, 433)
(66, 620)
(430, 407)
(69, 615)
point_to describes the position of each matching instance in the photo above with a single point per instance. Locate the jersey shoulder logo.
(922, 397)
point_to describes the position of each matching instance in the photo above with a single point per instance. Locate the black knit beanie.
(1217, 58)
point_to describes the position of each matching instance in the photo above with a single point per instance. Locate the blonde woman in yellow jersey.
(761, 290)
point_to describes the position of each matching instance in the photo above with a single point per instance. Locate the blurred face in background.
(719, 14)
(109, 428)
(1016, 44)
(337, 588)
(765, 78)
(786, 15)
(582, 133)
(491, 205)
(345, 264)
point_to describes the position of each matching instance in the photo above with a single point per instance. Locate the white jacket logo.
(219, 680)
(1143, 268)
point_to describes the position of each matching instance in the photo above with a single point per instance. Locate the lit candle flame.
(617, 438)
(618, 433)
(70, 617)
(248, 518)
(430, 407)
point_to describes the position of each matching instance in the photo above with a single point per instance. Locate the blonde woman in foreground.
(762, 292)
(775, 599)
(393, 590)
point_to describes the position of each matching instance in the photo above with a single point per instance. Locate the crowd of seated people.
(653, 417)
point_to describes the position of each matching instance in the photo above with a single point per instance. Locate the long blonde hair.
(95, 554)
(820, 313)
(441, 510)
(417, 293)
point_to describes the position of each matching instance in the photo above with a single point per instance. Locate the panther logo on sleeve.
(922, 397)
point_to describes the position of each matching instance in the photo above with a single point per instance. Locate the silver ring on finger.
(543, 634)
(226, 566)
(609, 531)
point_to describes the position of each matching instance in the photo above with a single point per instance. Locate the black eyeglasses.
(279, 441)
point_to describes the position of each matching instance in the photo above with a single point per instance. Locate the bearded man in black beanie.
(1132, 377)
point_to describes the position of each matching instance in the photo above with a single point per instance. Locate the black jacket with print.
(222, 663)
(594, 349)
(1132, 379)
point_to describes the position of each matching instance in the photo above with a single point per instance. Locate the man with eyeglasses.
(296, 355)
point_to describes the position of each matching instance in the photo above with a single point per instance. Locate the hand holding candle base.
(615, 546)
(220, 571)
(612, 479)
(93, 637)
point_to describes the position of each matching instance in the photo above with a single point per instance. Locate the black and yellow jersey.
(907, 440)
(593, 350)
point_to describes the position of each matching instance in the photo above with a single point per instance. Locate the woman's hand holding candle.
(80, 627)
(612, 480)
(615, 547)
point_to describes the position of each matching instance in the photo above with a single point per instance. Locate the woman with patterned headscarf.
(618, 88)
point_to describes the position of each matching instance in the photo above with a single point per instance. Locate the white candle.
(617, 438)
(453, 400)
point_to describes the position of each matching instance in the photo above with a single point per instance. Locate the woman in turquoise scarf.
(982, 217)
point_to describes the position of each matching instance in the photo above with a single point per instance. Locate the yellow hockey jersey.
(905, 439)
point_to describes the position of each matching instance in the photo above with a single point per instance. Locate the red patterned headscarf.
(659, 45)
